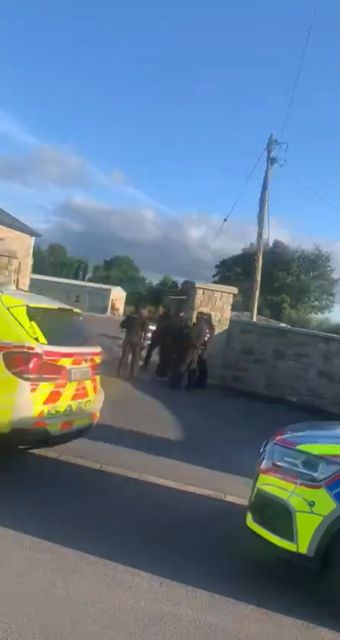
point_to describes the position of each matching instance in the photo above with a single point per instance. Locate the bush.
(325, 325)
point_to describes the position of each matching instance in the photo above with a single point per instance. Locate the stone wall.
(14, 242)
(215, 299)
(279, 362)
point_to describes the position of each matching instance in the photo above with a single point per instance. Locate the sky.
(130, 127)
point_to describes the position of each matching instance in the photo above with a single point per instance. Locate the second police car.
(295, 502)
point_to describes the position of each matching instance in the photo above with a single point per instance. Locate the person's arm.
(125, 323)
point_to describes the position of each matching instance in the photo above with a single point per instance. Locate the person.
(135, 325)
(202, 364)
(180, 346)
(157, 336)
(165, 347)
(198, 338)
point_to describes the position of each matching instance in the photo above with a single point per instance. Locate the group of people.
(182, 347)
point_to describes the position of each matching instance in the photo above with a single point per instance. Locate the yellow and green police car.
(295, 501)
(50, 389)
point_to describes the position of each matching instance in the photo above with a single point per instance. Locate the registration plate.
(79, 374)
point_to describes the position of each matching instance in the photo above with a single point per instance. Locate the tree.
(40, 263)
(55, 261)
(294, 280)
(122, 271)
(157, 293)
(81, 269)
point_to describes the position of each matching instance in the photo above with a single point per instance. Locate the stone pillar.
(215, 299)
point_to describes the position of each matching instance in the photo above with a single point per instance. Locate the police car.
(295, 502)
(50, 388)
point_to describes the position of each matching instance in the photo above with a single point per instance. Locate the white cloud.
(10, 128)
(118, 177)
(182, 245)
(46, 165)
(159, 239)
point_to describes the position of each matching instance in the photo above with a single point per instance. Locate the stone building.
(214, 299)
(16, 251)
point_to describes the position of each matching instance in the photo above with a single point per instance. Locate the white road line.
(145, 477)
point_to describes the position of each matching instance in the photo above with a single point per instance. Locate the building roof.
(11, 222)
(80, 283)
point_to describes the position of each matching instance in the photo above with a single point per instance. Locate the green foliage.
(326, 325)
(55, 261)
(294, 280)
(123, 272)
(156, 293)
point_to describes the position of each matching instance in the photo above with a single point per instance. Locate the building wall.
(22, 245)
(86, 298)
(279, 362)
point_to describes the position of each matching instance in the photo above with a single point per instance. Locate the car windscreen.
(60, 327)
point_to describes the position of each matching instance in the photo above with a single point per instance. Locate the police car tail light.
(306, 467)
(96, 369)
(32, 367)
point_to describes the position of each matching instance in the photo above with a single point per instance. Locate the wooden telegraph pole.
(261, 217)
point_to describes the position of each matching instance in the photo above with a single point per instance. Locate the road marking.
(144, 477)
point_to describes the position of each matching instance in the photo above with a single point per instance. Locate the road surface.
(138, 530)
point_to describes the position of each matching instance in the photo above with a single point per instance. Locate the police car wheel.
(330, 582)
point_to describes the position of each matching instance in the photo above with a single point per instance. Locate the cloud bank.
(97, 215)
(46, 165)
(185, 246)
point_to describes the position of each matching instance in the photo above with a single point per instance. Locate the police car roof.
(32, 299)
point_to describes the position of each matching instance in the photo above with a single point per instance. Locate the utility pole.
(261, 217)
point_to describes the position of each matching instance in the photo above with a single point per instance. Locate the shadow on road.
(222, 430)
(189, 539)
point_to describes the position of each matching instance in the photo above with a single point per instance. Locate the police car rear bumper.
(36, 438)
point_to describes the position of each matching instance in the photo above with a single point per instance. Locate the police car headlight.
(293, 461)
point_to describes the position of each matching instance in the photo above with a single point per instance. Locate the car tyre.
(330, 573)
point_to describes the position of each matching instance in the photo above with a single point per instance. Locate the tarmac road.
(96, 547)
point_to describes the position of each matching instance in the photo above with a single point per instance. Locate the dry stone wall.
(279, 362)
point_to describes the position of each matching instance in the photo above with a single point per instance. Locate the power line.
(298, 72)
(238, 198)
(312, 190)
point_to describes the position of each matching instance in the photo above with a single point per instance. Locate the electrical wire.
(239, 196)
(312, 190)
(298, 73)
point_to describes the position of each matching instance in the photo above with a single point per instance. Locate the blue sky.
(130, 126)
